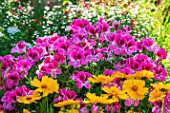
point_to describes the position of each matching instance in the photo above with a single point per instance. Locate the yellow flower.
(144, 74)
(26, 111)
(98, 100)
(161, 86)
(156, 95)
(69, 102)
(101, 79)
(130, 111)
(47, 85)
(135, 88)
(115, 92)
(118, 75)
(28, 99)
(1, 111)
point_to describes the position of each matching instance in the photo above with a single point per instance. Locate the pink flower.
(127, 29)
(81, 79)
(19, 48)
(33, 54)
(76, 58)
(12, 79)
(148, 44)
(129, 102)
(161, 53)
(116, 25)
(65, 94)
(160, 73)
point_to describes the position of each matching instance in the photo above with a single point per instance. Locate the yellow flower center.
(134, 88)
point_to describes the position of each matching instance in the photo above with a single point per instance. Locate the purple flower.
(19, 48)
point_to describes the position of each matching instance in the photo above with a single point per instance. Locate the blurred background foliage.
(27, 20)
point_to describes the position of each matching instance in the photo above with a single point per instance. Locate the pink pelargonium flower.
(116, 25)
(81, 79)
(76, 58)
(130, 47)
(160, 73)
(127, 29)
(52, 69)
(118, 46)
(161, 53)
(19, 48)
(148, 44)
(108, 72)
(33, 54)
(130, 102)
(157, 107)
(12, 79)
(65, 94)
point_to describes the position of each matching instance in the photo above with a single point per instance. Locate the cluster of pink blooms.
(65, 94)
(88, 44)
(10, 97)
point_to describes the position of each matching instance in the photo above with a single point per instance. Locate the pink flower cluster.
(10, 97)
(65, 94)
(165, 103)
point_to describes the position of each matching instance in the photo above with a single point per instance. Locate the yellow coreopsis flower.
(144, 74)
(115, 93)
(28, 99)
(118, 75)
(69, 102)
(156, 95)
(130, 111)
(47, 85)
(135, 88)
(98, 99)
(26, 111)
(101, 79)
(161, 86)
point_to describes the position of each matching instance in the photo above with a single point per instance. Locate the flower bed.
(101, 68)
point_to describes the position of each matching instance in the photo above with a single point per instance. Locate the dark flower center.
(134, 88)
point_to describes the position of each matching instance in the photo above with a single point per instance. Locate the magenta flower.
(12, 79)
(161, 53)
(81, 79)
(148, 44)
(160, 73)
(118, 83)
(116, 25)
(108, 72)
(76, 58)
(130, 102)
(127, 29)
(65, 94)
(33, 54)
(157, 107)
(19, 48)
(130, 47)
